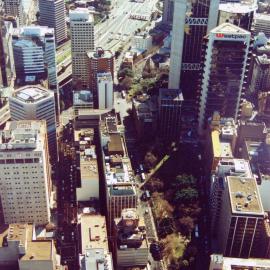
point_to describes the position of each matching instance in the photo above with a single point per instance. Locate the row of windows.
(19, 161)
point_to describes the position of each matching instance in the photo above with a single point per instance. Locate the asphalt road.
(118, 29)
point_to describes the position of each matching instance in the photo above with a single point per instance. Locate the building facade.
(192, 20)
(223, 76)
(25, 173)
(169, 114)
(7, 59)
(260, 80)
(105, 90)
(35, 102)
(168, 10)
(82, 41)
(14, 8)
(262, 24)
(53, 15)
(35, 54)
(99, 61)
(240, 13)
(243, 233)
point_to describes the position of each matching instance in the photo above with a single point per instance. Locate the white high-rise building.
(262, 24)
(105, 90)
(35, 103)
(82, 41)
(53, 15)
(14, 8)
(35, 55)
(223, 77)
(25, 178)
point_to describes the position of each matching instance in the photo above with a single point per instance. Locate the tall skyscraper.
(170, 105)
(53, 15)
(25, 173)
(240, 13)
(14, 8)
(6, 51)
(192, 20)
(82, 41)
(36, 103)
(35, 54)
(168, 10)
(260, 80)
(105, 90)
(223, 76)
(99, 61)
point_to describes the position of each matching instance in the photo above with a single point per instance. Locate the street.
(113, 32)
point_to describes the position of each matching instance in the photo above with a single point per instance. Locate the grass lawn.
(63, 56)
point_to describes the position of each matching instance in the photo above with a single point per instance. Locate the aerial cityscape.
(134, 134)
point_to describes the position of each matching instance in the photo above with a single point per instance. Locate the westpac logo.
(231, 36)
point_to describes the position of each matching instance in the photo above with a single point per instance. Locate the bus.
(143, 177)
(147, 194)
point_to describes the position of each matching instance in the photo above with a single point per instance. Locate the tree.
(155, 184)
(193, 210)
(174, 247)
(126, 72)
(184, 181)
(186, 225)
(186, 195)
(126, 83)
(150, 159)
(161, 207)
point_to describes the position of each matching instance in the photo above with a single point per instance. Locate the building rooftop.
(37, 31)
(100, 53)
(220, 148)
(124, 189)
(32, 94)
(96, 259)
(93, 232)
(83, 97)
(106, 76)
(262, 16)
(244, 196)
(87, 152)
(238, 264)
(228, 28)
(23, 134)
(170, 94)
(81, 15)
(23, 235)
(241, 7)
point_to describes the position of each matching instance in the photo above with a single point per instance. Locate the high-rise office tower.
(82, 41)
(53, 15)
(260, 80)
(167, 14)
(99, 61)
(35, 54)
(170, 106)
(240, 13)
(105, 90)
(36, 103)
(6, 52)
(243, 223)
(25, 173)
(262, 24)
(14, 8)
(223, 76)
(192, 20)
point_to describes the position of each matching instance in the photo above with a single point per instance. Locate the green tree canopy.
(186, 195)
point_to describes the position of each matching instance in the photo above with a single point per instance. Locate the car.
(146, 211)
